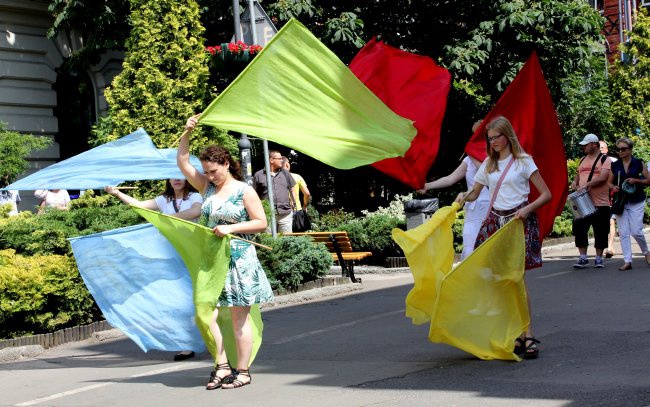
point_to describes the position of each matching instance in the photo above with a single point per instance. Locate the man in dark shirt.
(282, 184)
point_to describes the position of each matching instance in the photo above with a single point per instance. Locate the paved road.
(358, 349)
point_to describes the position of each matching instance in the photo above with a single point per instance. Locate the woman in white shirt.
(475, 211)
(511, 201)
(179, 199)
(53, 198)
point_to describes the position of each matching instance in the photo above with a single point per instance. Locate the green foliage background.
(40, 294)
(14, 150)
(293, 260)
(630, 81)
(164, 77)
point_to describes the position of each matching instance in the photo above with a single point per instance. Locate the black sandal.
(520, 346)
(236, 383)
(531, 351)
(216, 381)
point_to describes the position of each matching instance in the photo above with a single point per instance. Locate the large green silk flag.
(297, 93)
(206, 257)
(480, 306)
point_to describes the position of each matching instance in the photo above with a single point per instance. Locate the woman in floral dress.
(230, 206)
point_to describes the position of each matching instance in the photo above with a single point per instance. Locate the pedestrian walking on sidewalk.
(609, 251)
(592, 176)
(629, 176)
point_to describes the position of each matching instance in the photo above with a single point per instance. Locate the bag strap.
(496, 188)
(291, 200)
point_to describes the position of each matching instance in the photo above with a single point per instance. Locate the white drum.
(581, 204)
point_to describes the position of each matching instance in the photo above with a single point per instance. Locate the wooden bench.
(338, 244)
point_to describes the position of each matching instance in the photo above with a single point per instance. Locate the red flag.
(528, 105)
(414, 87)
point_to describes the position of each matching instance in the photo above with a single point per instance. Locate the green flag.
(297, 93)
(206, 257)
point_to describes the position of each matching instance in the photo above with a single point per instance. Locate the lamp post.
(245, 144)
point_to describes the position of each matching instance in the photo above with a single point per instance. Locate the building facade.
(619, 18)
(36, 96)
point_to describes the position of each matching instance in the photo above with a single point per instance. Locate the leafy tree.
(14, 150)
(631, 86)
(164, 76)
(585, 107)
(564, 34)
(103, 24)
(483, 43)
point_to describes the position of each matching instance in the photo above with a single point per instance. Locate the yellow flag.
(480, 306)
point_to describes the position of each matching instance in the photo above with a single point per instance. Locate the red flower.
(254, 49)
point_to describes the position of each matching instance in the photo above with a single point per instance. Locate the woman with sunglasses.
(509, 164)
(629, 176)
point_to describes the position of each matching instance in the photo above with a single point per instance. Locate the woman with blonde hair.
(508, 172)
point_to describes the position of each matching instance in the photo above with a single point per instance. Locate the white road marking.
(335, 327)
(555, 274)
(96, 386)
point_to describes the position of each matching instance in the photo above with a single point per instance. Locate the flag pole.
(249, 241)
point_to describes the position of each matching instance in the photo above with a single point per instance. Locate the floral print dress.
(246, 282)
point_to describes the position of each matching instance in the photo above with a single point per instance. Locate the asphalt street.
(358, 349)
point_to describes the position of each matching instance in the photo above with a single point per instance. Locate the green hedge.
(40, 294)
(27, 233)
(294, 260)
(371, 233)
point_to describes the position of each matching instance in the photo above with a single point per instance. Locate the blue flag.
(141, 285)
(130, 158)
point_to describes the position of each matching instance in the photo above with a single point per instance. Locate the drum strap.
(601, 157)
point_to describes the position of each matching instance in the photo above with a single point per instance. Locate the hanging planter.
(237, 54)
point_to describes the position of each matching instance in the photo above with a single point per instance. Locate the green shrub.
(457, 229)
(47, 233)
(371, 233)
(40, 294)
(14, 150)
(332, 221)
(294, 260)
(562, 225)
(374, 234)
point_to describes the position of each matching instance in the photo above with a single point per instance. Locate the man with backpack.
(592, 175)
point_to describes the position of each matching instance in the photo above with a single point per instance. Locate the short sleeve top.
(167, 206)
(515, 187)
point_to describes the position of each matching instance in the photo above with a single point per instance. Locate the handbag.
(618, 203)
(301, 221)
